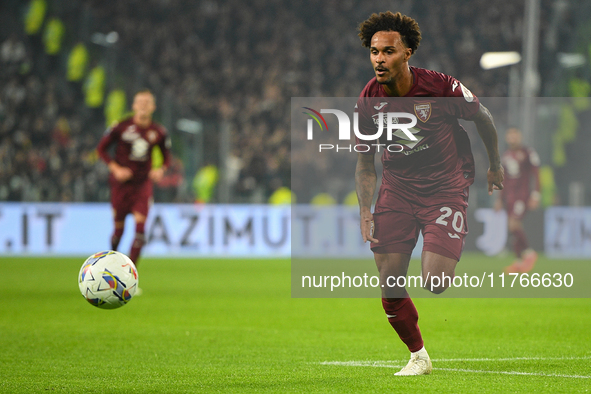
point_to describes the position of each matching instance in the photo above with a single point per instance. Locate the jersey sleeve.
(164, 144)
(112, 134)
(462, 103)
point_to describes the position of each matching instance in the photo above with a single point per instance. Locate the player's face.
(388, 56)
(143, 104)
(513, 138)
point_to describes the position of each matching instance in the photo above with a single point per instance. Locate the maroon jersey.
(133, 147)
(441, 159)
(521, 174)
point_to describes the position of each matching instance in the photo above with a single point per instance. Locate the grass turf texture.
(231, 326)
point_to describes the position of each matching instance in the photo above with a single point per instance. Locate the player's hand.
(367, 226)
(156, 174)
(121, 174)
(495, 179)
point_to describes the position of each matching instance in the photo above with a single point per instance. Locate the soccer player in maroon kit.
(521, 193)
(425, 181)
(131, 169)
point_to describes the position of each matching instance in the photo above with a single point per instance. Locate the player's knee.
(514, 224)
(437, 284)
(436, 289)
(139, 217)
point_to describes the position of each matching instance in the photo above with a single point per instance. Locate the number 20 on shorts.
(457, 222)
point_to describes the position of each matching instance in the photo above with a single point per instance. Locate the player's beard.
(386, 81)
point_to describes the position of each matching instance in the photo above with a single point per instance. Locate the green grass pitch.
(230, 326)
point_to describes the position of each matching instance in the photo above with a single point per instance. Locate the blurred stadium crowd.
(64, 76)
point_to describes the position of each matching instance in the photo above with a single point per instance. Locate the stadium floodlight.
(490, 60)
(112, 37)
(105, 40)
(190, 126)
(571, 60)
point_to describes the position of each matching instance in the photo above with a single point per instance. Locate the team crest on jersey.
(423, 111)
(151, 135)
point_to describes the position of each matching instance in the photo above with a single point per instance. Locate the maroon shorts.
(128, 197)
(516, 208)
(440, 217)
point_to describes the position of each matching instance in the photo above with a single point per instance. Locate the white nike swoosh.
(380, 107)
(453, 235)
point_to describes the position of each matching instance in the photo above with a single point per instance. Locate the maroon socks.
(404, 318)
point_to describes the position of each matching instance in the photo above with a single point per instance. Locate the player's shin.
(138, 243)
(520, 242)
(116, 237)
(403, 317)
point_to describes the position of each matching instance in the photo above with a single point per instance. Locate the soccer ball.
(108, 279)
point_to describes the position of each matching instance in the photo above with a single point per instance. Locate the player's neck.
(142, 122)
(401, 85)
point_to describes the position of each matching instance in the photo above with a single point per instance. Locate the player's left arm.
(535, 196)
(156, 174)
(488, 133)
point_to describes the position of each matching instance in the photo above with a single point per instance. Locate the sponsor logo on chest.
(130, 134)
(423, 112)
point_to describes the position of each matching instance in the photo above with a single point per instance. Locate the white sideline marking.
(391, 364)
(511, 359)
(553, 375)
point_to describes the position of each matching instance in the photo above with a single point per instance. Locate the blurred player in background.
(425, 184)
(131, 168)
(521, 194)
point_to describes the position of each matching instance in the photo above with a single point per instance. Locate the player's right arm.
(365, 185)
(120, 172)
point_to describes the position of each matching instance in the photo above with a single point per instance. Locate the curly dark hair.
(388, 21)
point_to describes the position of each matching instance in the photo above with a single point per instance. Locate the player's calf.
(138, 243)
(438, 270)
(403, 317)
(117, 234)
